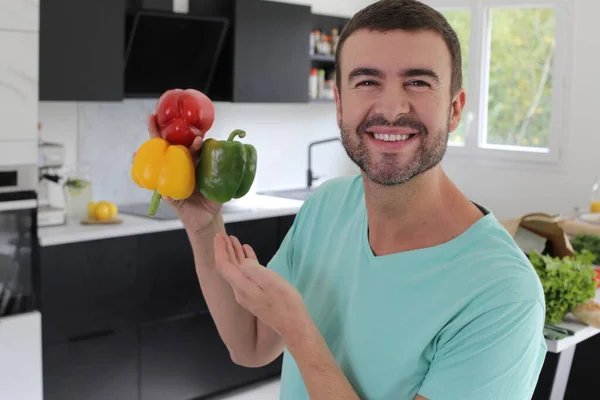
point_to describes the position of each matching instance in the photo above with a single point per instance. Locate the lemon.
(114, 210)
(91, 210)
(102, 211)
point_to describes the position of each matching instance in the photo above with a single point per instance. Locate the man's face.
(394, 105)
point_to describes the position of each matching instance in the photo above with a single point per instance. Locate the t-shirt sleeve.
(496, 356)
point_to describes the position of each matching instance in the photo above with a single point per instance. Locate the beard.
(389, 170)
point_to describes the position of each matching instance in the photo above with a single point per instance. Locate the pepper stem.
(154, 203)
(237, 132)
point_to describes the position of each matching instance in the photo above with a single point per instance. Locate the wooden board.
(111, 221)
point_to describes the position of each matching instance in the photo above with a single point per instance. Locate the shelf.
(322, 58)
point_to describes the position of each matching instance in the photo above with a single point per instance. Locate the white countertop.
(582, 332)
(246, 209)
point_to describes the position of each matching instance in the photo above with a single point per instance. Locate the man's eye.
(418, 83)
(366, 83)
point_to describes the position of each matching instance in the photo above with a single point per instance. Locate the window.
(461, 22)
(514, 54)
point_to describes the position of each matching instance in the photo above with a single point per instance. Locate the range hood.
(166, 50)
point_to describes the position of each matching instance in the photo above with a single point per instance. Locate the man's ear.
(338, 105)
(456, 109)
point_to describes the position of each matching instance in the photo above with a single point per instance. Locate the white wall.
(283, 131)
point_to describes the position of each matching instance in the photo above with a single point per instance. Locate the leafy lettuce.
(567, 282)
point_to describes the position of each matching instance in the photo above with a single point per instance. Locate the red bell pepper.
(182, 115)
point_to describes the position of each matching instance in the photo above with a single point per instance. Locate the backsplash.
(109, 133)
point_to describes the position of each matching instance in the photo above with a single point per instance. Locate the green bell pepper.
(226, 168)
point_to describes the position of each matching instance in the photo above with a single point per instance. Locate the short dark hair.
(407, 15)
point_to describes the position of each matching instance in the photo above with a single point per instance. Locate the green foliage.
(567, 282)
(520, 74)
(587, 242)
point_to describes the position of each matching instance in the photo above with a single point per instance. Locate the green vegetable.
(567, 282)
(587, 242)
(226, 169)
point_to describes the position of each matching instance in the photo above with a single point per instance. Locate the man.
(391, 284)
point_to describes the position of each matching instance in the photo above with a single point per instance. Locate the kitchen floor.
(263, 391)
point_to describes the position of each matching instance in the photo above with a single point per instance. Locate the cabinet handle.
(93, 335)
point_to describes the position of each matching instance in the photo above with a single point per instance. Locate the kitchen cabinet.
(125, 318)
(20, 15)
(260, 234)
(265, 56)
(19, 85)
(97, 368)
(82, 46)
(88, 287)
(168, 285)
(186, 359)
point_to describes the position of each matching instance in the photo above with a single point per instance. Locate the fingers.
(243, 287)
(153, 126)
(230, 250)
(239, 251)
(249, 252)
(196, 144)
(221, 253)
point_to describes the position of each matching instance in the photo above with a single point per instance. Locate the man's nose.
(393, 102)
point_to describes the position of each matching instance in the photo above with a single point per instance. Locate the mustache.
(404, 121)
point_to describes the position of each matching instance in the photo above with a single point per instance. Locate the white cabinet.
(18, 85)
(20, 15)
(21, 356)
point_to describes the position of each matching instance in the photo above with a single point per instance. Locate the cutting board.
(112, 221)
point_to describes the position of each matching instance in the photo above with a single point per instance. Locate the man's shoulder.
(501, 267)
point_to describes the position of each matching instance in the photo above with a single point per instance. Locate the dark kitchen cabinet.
(88, 287)
(125, 318)
(260, 234)
(265, 56)
(97, 368)
(81, 50)
(168, 285)
(185, 359)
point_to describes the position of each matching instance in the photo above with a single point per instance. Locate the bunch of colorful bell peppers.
(226, 169)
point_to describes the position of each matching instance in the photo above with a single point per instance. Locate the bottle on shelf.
(595, 197)
(313, 84)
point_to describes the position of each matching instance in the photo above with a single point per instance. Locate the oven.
(18, 240)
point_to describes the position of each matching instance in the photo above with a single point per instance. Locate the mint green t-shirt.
(462, 320)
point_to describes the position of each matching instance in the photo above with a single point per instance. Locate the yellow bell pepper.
(165, 168)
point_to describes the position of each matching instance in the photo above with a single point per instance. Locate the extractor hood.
(166, 50)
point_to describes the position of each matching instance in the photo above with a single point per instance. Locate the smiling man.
(391, 284)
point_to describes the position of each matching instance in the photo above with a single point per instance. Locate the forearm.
(236, 325)
(322, 376)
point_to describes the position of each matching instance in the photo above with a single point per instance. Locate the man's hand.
(258, 289)
(279, 305)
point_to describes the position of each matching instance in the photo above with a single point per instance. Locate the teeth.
(390, 138)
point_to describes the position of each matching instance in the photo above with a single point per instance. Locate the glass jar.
(78, 193)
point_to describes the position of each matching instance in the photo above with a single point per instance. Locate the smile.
(391, 137)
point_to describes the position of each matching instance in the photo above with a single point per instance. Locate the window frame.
(475, 112)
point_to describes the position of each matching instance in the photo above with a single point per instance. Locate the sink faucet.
(309, 175)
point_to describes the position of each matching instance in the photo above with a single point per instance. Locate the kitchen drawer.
(168, 284)
(88, 287)
(20, 15)
(97, 368)
(185, 359)
(19, 86)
